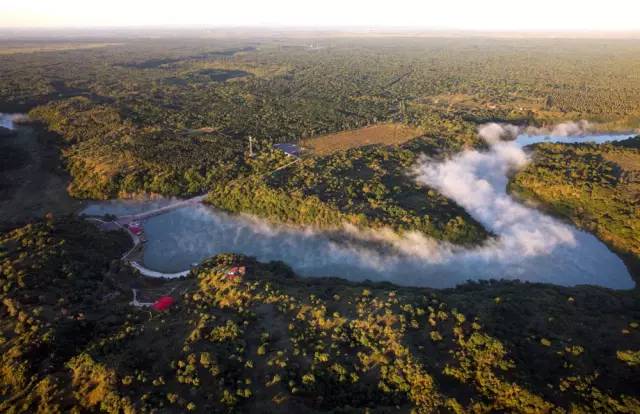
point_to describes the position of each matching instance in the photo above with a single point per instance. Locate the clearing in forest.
(388, 133)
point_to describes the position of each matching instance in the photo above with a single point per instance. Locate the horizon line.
(331, 29)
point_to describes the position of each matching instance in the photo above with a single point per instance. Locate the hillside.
(273, 342)
(362, 186)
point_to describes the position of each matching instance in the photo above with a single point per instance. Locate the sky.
(482, 15)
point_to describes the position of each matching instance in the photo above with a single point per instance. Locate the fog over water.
(529, 245)
(8, 120)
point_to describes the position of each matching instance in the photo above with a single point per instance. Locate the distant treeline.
(173, 116)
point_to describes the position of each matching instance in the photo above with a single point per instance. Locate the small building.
(236, 272)
(291, 150)
(163, 303)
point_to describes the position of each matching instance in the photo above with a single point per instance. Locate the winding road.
(123, 223)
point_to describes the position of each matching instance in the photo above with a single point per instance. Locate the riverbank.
(135, 255)
(191, 234)
(593, 187)
(548, 332)
(529, 245)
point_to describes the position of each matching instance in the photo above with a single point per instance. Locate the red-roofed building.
(236, 272)
(163, 303)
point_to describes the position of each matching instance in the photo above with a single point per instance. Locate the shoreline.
(137, 249)
(625, 260)
(133, 255)
(630, 261)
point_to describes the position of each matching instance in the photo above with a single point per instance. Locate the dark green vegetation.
(109, 156)
(597, 187)
(172, 116)
(272, 342)
(365, 186)
(127, 112)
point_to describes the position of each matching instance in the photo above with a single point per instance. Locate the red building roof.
(163, 303)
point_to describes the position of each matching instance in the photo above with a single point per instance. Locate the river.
(530, 246)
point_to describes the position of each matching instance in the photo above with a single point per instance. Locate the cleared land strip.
(387, 134)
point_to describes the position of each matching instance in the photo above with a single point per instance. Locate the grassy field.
(388, 133)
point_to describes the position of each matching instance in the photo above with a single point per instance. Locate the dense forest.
(173, 117)
(366, 186)
(269, 341)
(110, 157)
(129, 117)
(285, 89)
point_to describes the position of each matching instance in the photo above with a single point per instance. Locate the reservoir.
(529, 246)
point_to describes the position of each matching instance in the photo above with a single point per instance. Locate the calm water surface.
(187, 235)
